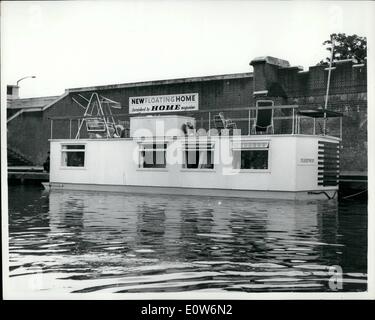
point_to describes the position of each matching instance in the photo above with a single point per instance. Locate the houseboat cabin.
(169, 155)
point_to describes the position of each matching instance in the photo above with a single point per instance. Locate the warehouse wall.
(348, 94)
(29, 133)
(26, 136)
(213, 94)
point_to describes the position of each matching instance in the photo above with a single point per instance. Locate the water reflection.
(111, 242)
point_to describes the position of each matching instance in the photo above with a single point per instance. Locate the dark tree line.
(346, 47)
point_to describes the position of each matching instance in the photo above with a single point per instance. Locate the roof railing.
(288, 119)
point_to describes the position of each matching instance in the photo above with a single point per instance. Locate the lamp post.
(18, 81)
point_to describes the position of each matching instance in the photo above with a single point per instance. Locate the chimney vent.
(13, 92)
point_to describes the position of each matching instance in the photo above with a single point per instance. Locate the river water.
(81, 242)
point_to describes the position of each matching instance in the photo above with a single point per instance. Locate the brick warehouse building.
(29, 125)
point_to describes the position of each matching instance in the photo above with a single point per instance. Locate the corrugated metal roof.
(164, 82)
(30, 103)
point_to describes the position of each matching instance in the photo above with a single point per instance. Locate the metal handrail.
(207, 117)
(186, 112)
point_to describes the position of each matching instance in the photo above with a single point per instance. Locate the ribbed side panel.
(328, 163)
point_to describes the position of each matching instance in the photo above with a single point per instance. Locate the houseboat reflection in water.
(114, 242)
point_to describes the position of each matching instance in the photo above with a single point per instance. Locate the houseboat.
(168, 154)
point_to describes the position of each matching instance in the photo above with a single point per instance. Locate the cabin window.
(153, 155)
(199, 156)
(73, 155)
(251, 155)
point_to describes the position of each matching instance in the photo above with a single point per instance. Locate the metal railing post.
(293, 122)
(79, 126)
(314, 127)
(249, 124)
(297, 124)
(340, 127)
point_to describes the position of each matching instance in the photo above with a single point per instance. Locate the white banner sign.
(165, 103)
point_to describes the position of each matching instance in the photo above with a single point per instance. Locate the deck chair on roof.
(222, 123)
(219, 124)
(228, 124)
(263, 121)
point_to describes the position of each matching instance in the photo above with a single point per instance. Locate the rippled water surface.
(75, 242)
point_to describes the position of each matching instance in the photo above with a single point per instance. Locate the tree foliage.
(346, 47)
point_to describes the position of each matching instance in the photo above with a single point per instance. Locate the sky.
(68, 44)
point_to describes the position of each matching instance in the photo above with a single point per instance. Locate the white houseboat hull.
(297, 168)
(251, 194)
